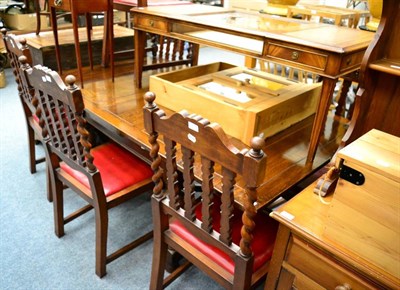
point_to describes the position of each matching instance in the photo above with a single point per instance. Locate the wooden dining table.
(116, 109)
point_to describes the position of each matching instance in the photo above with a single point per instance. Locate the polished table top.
(116, 109)
(191, 21)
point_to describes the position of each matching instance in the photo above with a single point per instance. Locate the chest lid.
(377, 151)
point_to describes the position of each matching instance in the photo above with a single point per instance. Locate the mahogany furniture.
(201, 224)
(335, 52)
(165, 51)
(348, 240)
(77, 7)
(377, 103)
(17, 47)
(104, 174)
(43, 49)
(127, 5)
(45, 11)
(339, 16)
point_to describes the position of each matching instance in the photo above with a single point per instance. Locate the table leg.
(37, 11)
(105, 49)
(328, 86)
(341, 99)
(77, 46)
(109, 40)
(140, 43)
(89, 26)
(53, 19)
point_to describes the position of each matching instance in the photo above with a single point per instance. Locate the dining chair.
(46, 12)
(88, 8)
(103, 174)
(17, 47)
(232, 245)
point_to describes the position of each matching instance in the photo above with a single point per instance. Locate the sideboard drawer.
(151, 23)
(298, 56)
(320, 268)
(351, 61)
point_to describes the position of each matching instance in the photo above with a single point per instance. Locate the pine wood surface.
(116, 109)
(374, 205)
(267, 111)
(303, 220)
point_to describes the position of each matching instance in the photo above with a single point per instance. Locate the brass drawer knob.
(58, 3)
(344, 286)
(151, 23)
(295, 55)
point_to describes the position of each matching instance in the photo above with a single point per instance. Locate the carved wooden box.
(364, 213)
(244, 102)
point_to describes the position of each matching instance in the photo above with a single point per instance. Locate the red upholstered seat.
(118, 168)
(263, 242)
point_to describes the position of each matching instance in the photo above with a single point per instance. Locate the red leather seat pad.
(263, 242)
(118, 168)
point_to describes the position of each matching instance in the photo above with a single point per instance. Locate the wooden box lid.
(377, 151)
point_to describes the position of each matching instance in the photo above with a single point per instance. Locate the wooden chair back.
(61, 110)
(195, 150)
(17, 49)
(73, 148)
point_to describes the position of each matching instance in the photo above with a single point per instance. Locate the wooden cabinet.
(305, 259)
(348, 240)
(377, 104)
(309, 256)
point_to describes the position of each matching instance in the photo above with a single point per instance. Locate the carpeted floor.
(32, 257)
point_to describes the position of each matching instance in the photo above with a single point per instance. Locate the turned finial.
(257, 143)
(70, 81)
(23, 59)
(4, 31)
(149, 97)
(22, 40)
